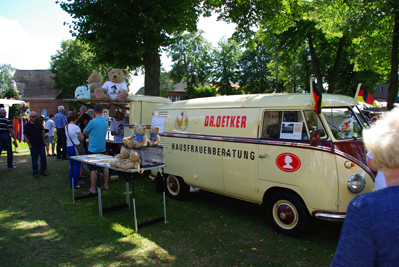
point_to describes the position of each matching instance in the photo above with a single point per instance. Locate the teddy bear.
(95, 82)
(154, 136)
(115, 88)
(141, 138)
(129, 140)
(133, 162)
(121, 158)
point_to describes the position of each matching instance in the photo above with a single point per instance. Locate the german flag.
(365, 97)
(318, 99)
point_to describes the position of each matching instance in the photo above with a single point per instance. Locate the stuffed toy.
(95, 82)
(141, 137)
(120, 159)
(115, 88)
(154, 136)
(128, 141)
(125, 153)
(133, 162)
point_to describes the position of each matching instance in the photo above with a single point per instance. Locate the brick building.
(36, 88)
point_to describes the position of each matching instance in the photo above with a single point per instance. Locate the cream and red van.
(269, 149)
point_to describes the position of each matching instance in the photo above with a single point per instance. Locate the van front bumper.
(329, 216)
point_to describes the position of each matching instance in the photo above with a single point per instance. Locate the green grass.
(39, 226)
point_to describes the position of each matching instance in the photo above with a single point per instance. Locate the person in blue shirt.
(97, 130)
(370, 235)
(60, 122)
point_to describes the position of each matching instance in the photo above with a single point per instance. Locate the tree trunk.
(393, 83)
(315, 64)
(152, 66)
(337, 64)
(275, 51)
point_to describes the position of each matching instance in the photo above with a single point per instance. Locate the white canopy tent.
(9, 102)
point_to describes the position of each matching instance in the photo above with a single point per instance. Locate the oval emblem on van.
(288, 162)
(181, 121)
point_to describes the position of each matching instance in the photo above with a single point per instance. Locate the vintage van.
(271, 149)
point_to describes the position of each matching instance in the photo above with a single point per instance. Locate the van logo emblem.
(288, 162)
(181, 121)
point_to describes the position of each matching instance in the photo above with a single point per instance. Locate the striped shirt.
(4, 125)
(60, 120)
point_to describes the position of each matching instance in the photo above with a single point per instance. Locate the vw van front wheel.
(287, 213)
(176, 188)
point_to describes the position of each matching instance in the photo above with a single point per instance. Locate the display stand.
(101, 161)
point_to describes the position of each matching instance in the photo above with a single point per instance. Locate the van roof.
(260, 100)
(147, 98)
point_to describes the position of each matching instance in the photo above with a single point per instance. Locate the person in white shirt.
(73, 136)
(117, 127)
(50, 126)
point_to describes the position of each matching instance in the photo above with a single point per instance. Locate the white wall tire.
(287, 213)
(176, 188)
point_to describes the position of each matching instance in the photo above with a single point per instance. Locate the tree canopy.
(6, 75)
(192, 60)
(337, 36)
(72, 66)
(130, 33)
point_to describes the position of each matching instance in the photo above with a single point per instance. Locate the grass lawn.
(39, 226)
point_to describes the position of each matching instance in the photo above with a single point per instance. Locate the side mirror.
(314, 138)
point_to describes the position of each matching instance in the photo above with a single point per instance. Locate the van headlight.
(356, 183)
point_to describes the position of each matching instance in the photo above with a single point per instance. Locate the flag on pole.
(363, 96)
(318, 99)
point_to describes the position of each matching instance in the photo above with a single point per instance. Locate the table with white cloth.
(101, 161)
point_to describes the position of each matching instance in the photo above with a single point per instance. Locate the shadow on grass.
(39, 226)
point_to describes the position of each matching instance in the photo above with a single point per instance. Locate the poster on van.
(158, 121)
(291, 130)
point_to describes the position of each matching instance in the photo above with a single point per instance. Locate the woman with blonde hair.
(370, 235)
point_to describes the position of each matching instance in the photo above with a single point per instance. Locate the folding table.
(103, 161)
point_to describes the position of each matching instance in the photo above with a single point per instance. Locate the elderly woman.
(370, 235)
(73, 136)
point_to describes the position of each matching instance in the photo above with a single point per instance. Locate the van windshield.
(343, 123)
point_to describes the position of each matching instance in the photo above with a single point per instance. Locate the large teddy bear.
(95, 82)
(138, 138)
(115, 88)
(130, 139)
(154, 136)
(141, 137)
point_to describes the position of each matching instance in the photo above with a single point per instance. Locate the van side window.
(313, 121)
(284, 125)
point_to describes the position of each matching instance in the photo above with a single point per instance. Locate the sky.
(31, 32)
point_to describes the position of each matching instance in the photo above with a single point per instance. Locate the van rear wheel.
(287, 213)
(176, 188)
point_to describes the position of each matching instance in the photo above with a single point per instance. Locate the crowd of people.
(72, 131)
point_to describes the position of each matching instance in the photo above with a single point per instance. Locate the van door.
(239, 150)
(287, 160)
(206, 146)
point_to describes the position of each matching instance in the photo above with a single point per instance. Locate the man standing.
(51, 140)
(5, 139)
(60, 121)
(96, 130)
(34, 136)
